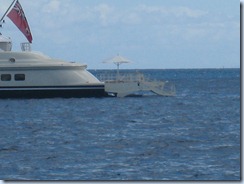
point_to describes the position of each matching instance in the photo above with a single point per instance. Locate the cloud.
(172, 11)
(60, 14)
(96, 22)
(130, 19)
(52, 6)
(185, 11)
(104, 11)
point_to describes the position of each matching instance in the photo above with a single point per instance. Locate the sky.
(153, 34)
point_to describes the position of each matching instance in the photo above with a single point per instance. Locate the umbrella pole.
(118, 71)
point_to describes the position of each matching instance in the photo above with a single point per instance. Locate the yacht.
(29, 74)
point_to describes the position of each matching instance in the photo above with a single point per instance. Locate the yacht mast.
(2, 21)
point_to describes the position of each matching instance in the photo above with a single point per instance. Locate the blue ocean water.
(193, 136)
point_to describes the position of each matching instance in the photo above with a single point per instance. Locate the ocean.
(194, 136)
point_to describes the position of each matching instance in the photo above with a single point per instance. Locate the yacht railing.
(25, 47)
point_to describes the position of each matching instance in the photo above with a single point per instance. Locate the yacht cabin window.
(19, 77)
(5, 77)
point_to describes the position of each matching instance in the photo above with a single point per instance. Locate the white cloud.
(185, 11)
(52, 6)
(172, 11)
(131, 18)
(61, 21)
(105, 13)
(56, 14)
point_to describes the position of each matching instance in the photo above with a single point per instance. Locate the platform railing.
(122, 77)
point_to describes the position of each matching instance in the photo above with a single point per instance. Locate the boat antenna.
(1, 20)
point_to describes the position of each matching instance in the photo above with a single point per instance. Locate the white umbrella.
(118, 60)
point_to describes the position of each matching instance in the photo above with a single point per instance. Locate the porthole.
(12, 60)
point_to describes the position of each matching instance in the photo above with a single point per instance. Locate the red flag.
(17, 16)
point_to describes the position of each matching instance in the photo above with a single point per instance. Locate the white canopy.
(118, 60)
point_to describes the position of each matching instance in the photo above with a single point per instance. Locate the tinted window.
(5, 77)
(19, 77)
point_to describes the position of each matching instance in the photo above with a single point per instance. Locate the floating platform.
(132, 84)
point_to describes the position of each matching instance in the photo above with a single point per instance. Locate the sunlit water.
(193, 136)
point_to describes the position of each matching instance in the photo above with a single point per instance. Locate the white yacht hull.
(33, 75)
